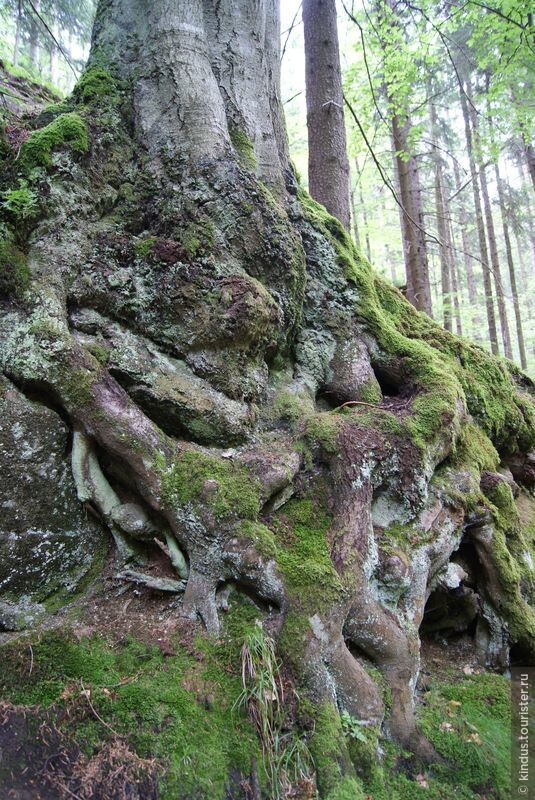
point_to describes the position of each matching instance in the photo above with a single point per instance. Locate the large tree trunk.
(328, 166)
(216, 346)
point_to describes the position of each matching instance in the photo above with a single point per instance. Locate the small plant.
(352, 728)
(21, 203)
(286, 758)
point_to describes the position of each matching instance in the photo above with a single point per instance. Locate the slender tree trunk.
(328, 167)
(445, 248)
(455, 279)
(511, 265)
(507, 239)
(18, 24)
(54, 57)
(463, 225)
(411, 219)
(354, 215)
(390, 261)
(531, 233)
(530, 161)
(34, 35)
(365, 224)
(487, 283)
(493, 248)
(528, 294)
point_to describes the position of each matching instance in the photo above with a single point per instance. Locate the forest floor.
(121, 697)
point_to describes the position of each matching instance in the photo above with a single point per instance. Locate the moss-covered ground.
(182, 710)
(177, 709)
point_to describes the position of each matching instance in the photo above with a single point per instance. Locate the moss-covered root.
(395, 652)
(334, 771)
(506, 564)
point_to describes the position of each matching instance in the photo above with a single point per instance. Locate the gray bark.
(480, 225)
(493, 249)
(511, 266)
(328, 167)
(205, 77)
(18, 23)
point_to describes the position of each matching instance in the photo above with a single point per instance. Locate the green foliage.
(22, 204)
(14, 271)
(352, 727)
(232, 490)
(66, 130)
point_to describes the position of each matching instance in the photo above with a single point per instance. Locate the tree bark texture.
(480, 225)
(328, 166)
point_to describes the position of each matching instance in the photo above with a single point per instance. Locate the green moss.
(197, 238)
(370, 392)
(66, 130)
(234, 492)
(100, 351)
(335, 774)
(14, 271)
(159, 705)
(322, 430)
(381, 420)
(94, 85)
(290, 407)
(304, 558)
(262, 538)
(347, 789)
(144, 247)
(442, 368)
(404, 537)
(77, 386)
(479, 743)
(294, 636)
(57, 108)
(509, 547)
(428, 409)
(474, 450)
(243, 146)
